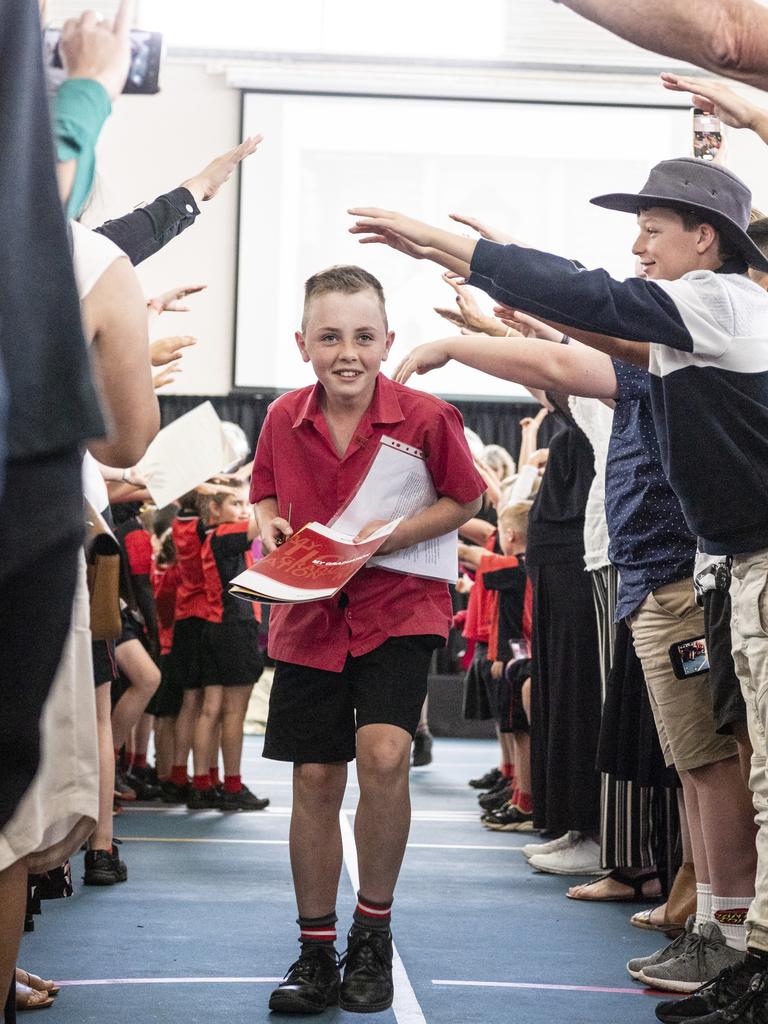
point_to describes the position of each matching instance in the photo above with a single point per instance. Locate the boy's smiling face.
(346, 339)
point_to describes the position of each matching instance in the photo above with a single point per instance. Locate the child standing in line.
(166, 703)
(231, 655)
(351, 672)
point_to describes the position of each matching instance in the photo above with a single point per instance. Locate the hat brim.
(630, 202)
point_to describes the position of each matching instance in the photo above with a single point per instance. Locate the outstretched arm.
(727, 37)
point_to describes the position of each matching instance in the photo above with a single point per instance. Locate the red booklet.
(312, 565)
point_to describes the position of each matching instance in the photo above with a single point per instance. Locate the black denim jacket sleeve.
(144, 231)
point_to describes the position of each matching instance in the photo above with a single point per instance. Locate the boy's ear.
(389, 343)
(302, 346)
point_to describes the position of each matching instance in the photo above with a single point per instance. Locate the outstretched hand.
(430, 356)
(716, 98)
(93, 47)
(474, 319)
(170, 301)
(492, 234)
(207, 183)
(391, 228)
(166, 376)
(166, 350)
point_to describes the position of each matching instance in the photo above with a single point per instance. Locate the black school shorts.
(186, 657)
(168, 698)
(104, 664)
(314, 714)
(231, 653)
(727, 702)
(511, 712)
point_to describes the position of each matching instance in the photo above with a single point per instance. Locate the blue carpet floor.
(205, 922)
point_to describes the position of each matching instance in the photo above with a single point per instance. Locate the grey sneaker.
(698, 964)
(673, 949)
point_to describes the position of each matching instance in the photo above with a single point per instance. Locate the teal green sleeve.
(80, 109)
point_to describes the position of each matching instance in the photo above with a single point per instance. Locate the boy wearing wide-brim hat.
(701, 327)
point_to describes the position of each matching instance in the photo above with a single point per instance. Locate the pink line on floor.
(556, 988)
(170, 981)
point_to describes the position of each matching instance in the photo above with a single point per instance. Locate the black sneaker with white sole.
(311, 984)
(486, 781)
(244, 800)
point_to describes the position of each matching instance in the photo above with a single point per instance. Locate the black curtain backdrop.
(496, 422)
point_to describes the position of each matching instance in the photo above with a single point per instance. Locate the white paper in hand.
(397, 484)
(184, 454)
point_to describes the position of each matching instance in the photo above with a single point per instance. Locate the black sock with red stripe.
(318, 931)
(372, 915)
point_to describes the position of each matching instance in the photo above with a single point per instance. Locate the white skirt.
(59, 810)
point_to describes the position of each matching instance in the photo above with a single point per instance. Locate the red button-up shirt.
(297, 464)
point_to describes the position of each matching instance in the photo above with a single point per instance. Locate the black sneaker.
(486, 781)
(367, 983)
(312, 982)
(422, 749)
(203, 799)
(496, 798)
(508, 819)
(140, 781)
(173, 793)
(245, 800)
(749, 1008)
(729, 985)
(104, 867)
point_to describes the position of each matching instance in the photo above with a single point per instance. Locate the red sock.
(201, 782)
(508, 771)
(522, 801)
(139, 761)
(179, 775)
(214, 773)
(233, 783)
(372, 915)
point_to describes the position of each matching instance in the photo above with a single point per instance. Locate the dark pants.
(41, 530)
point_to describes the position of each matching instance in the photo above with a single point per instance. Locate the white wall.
(149, 146)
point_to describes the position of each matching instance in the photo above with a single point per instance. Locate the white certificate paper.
(184, 454)
(398, 484)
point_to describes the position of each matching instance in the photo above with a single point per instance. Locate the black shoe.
(508, 819)
(173, 793)
(203, 799)
(122, 790)
(749, 1008)
(104, 867)
(496, 798)
(245, 800)
(422, 749)
(311, 984)
(139, 781)
(486, 781)
(729, 985)
(367, 983)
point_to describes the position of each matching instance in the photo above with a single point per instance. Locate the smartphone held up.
(146, 53)
(707, 135)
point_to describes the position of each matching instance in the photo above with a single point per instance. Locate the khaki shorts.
(682, 708)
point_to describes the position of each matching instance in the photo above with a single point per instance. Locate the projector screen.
(529, 169)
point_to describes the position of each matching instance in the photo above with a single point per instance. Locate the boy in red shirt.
(351, 672)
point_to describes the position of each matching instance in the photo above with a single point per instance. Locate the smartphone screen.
(689, 657)
(144, 71)
(707, 135)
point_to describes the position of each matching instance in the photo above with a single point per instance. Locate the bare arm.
(437, 520)
(115, 315)
(572, 369)
(476, 530)
(728, 37)
(470, 554)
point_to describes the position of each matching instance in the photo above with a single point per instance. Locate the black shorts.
(186, 657)
(231, 653)
(727, 702)
(132, 630)
(511, 715)
(314, 714)
(104, 664)
(480, 689)
(168, 698)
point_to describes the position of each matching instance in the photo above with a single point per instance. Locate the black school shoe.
(367, 983)
(245, 800)
(728, 986)
(140, 780)
(104, 867)
(203, 799)
(173, 793)
(312, 982)
(750, 1008)
(486, 781)
(422, 749)
(495, 798)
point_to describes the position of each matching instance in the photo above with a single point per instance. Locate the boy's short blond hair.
(345, 278)
(515, 517)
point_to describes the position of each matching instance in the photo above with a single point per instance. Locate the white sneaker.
(579, 858)
(534, 849)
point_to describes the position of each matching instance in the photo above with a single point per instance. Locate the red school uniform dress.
(231, 635)
(186, 659)
(297, 464)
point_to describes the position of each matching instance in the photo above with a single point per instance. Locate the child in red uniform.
(351, 672)
(231, 656)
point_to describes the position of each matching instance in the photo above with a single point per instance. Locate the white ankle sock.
(703, 904)
(730, 915)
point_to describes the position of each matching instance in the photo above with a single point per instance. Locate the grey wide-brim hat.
(690, 184)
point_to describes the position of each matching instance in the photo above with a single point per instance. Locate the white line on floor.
(405, 1006)
(282, 812)
(284, 842)
(555, 988)
(170, 981)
